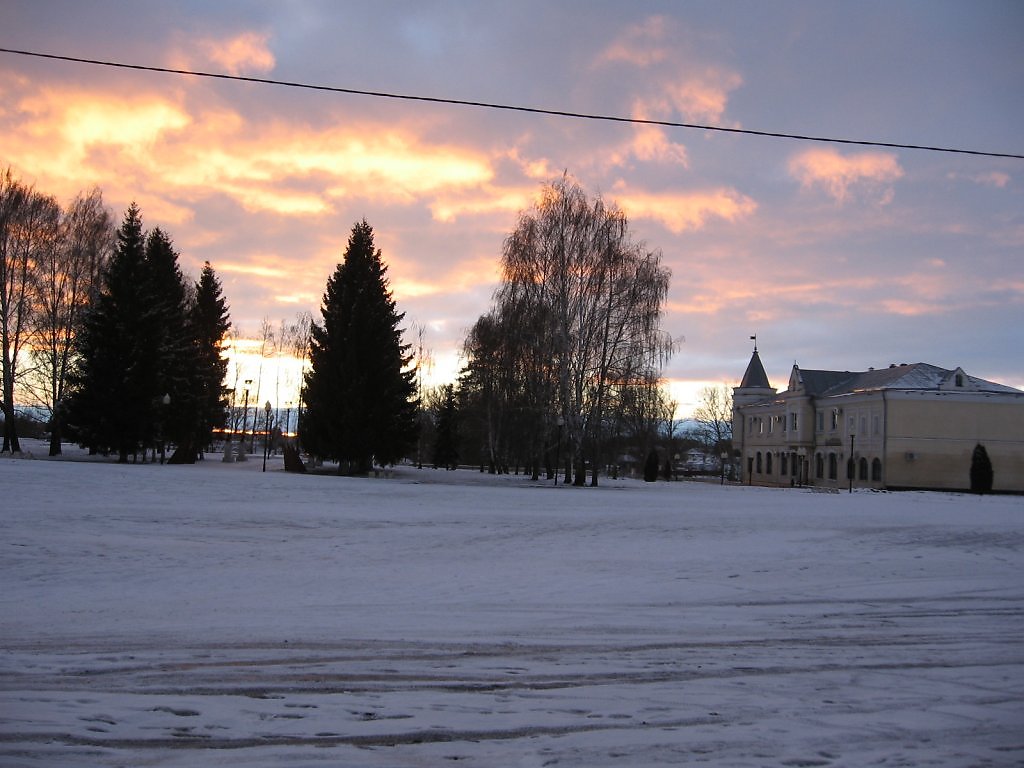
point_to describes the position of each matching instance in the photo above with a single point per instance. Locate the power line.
(510, 107)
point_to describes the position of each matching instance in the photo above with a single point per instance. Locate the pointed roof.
(755, 377)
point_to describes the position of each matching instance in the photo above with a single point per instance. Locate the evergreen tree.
(981, 470)
(360, 390)
(176, 372)
(115, 385)
(210, 323)
(446, 443)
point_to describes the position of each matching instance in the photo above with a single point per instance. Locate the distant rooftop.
(904, 376)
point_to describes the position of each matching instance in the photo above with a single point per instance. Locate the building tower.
(754, 386)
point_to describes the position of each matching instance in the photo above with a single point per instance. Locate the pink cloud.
(839, 175)
(641, 45)
(246, 53)
(686, 211)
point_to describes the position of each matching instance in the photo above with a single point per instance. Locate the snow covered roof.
(920, 376)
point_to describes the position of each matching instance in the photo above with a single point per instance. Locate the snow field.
(218, 615)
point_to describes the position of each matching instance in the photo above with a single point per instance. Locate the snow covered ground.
(216, 615)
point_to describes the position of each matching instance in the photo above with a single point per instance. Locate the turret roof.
(755, 377)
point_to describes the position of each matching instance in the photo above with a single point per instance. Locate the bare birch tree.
(67, 272)
(28, 229)
(714, 416)
(601, 293)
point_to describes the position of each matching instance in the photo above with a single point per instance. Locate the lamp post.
(558, 450)
(852, 465)
(245, 421)
(266, 434)
(723, 457)
(166, 400)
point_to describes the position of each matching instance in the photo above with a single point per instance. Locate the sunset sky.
(836, 256)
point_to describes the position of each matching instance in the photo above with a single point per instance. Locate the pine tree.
(176, 371)
(360, 390)
(446, 443)
(210, 322)
(114, 404)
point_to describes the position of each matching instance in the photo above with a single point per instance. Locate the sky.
(836, 256)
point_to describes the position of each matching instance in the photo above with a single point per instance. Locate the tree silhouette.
(982, 475)
(360, 389)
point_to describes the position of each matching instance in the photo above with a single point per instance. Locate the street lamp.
(851, 464)
(558, 450)
(245, 422)
(166, 400)
(266, 435)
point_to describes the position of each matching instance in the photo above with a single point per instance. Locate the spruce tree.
(210, 322)
(360, 390)
(176, 370)
(446, 443)
(114, 404)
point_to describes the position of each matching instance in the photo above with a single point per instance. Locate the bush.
(981, 470)
(651, 467)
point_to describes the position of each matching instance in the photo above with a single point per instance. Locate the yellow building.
(901, 427)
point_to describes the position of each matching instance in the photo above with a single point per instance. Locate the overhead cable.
(510, 107)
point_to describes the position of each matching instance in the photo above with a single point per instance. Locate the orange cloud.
(246, 53)
(482, 201)
(650, 144)
(838, 174)
(701, 96)
(685, 211)
(172, 144)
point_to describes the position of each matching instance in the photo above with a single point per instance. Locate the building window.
(835, 419)
(864, 426)
(794, 421)
(821, 421)
(771, 424)
(876, 424)
(768, 464)
(760, 426)
(862, 467)
(783, 469)
(819, 466)
(959, 379)
(759, 462)
(833, 467)
(876, 469)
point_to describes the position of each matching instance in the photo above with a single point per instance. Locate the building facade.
(901, 427)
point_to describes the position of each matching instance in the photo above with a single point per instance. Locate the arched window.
(783, 460)
(876, 469)
(759, 462)
(862, 473)
(819, 466)
(768, 463)
(833, 467)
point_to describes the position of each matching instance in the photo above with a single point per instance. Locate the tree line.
(121, 349)
(561, 375)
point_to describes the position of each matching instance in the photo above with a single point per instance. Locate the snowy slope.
(217, 615)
